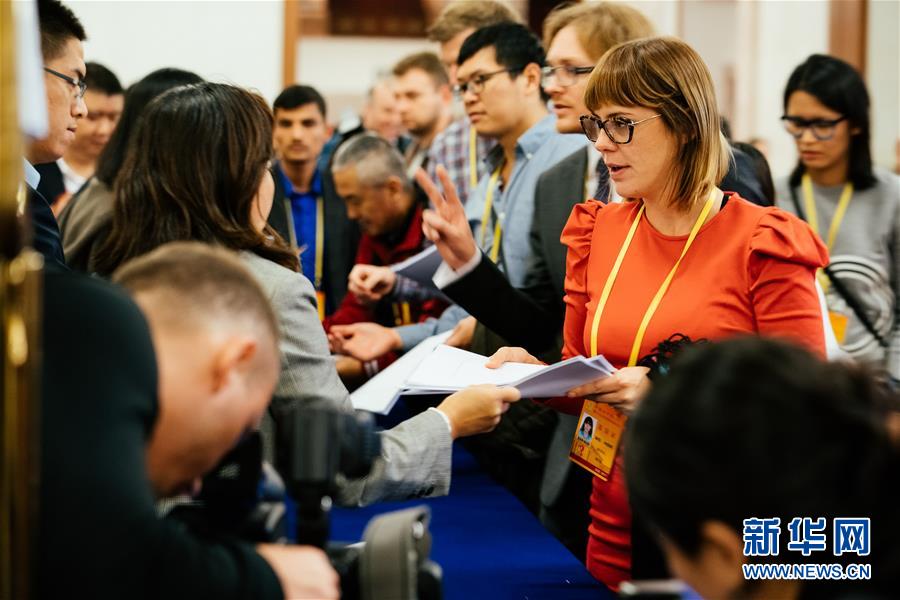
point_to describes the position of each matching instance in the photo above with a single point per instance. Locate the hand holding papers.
(451, 369)
(420, 267)
(433, 368)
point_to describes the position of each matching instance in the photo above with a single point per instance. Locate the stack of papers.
(420, 267)
(435, 368)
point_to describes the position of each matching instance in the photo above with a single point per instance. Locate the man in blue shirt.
(307, 211)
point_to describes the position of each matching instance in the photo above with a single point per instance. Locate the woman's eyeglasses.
(822, 129)
(618, 129)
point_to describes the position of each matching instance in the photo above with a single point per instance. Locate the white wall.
(239, 42)
(344, 68)
(883, 79)
(751, 47)
(786, 34)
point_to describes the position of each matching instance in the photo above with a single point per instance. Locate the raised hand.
(446, 224)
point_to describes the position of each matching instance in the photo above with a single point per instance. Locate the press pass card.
(597, 438)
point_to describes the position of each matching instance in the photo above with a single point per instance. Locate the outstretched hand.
(624, 389)
(446, 224)
(477, 409)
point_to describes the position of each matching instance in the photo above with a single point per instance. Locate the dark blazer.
(532, 316)
(341, 236)
(98, 522)
(46, 230)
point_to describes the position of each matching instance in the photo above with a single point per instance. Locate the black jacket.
(100, 536)
(46, 230)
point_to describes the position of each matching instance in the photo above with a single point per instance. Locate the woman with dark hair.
(681, 256)
(853, 206)
(85, 221)
(756, 429)
(196, 169)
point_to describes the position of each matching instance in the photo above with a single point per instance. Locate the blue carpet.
(487, 543)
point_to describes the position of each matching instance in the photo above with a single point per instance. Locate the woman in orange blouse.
(680, 256)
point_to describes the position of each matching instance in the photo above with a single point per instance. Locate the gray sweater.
(866, 258)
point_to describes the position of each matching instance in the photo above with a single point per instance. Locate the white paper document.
(435, 368)
(379, 394)
(420, 267)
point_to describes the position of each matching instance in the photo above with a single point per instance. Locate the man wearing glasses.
(64, 70)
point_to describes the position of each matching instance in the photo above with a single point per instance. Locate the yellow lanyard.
(320, 241)
(498, 227)
(810, 202)
(473, 157)
(402, 313)
(320, 255)
(654, 304)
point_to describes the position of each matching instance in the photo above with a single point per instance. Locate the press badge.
(838, 325)
(597, 438)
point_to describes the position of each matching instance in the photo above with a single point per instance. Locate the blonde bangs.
(667, 75)
(616, 79)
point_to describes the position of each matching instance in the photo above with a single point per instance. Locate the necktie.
(601, 193)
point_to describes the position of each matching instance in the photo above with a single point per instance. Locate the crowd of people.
(214, 263)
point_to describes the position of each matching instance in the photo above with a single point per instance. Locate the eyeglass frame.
(573, 72)
(460, 89)
(601, 125)
(804, 124)
(78, 83)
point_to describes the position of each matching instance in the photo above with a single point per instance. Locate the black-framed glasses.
(565, 75)
(822, 129)
(80, 84)
(618, 129)
(476, 84)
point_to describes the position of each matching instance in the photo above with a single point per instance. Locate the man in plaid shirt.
(453, 149)
(453, 146)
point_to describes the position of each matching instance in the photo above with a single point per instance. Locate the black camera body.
(316, 449)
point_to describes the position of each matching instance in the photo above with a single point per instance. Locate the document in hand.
(451, 369)
(379, 394)
(435, 368)
(420, 267)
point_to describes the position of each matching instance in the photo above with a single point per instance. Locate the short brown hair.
(470, 14)
(424, 61)
(667, 75)
(199, 283)
(598, 25)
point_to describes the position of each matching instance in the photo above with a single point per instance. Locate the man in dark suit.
(64, 72)
(307, 211)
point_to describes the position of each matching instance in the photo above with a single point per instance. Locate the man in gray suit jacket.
(416, 454)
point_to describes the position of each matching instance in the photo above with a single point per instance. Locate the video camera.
(317, 449)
